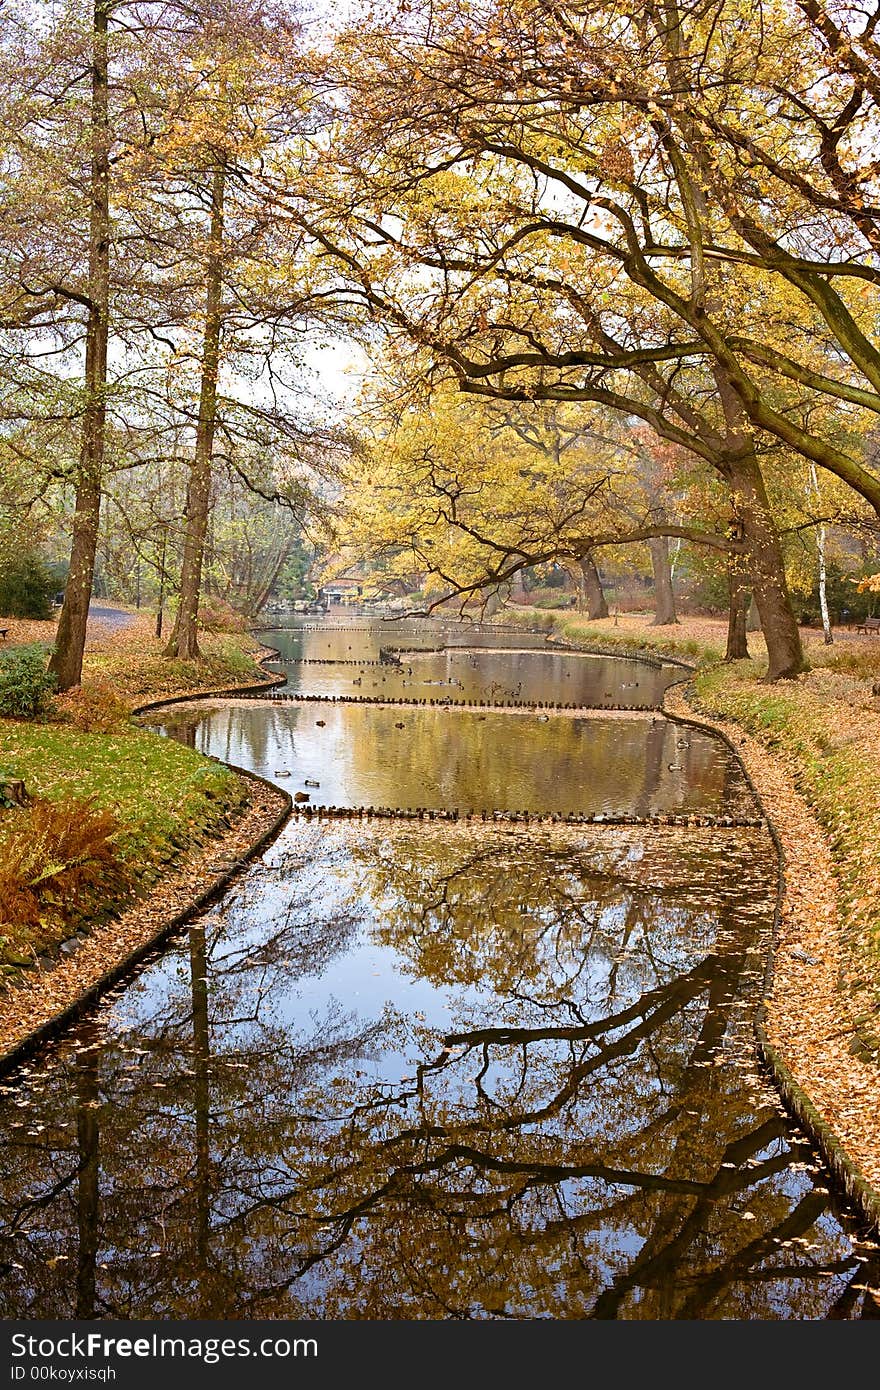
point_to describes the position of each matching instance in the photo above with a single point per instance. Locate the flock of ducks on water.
(496, 690)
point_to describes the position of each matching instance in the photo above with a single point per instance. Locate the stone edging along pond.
(863, 1195)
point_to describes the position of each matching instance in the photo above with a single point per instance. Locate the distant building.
(343, 591)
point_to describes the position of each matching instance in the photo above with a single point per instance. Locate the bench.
(869, 625)
(4, 633)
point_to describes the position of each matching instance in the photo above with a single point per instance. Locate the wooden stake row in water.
(446, 700)
(327, 661)
(523, 817)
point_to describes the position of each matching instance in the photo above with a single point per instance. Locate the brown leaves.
(57, 860)
(616, 162)
(811, 1016)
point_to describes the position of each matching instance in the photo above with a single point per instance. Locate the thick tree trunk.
(753, 617)
(70, 639)
(763, 552)
(664, 593)
(737, 638)
(785, 656)
(518, 588)
(594, 595)
(184, 637)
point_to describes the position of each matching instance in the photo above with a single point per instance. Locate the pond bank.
(810, 748)
(35, 1011)
(110, 816)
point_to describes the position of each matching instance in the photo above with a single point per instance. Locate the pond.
(366, 755)
(439, 661)
(422, 1070)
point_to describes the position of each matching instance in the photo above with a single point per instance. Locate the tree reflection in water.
(545, 1107)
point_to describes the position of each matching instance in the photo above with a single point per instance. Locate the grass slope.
(164, 799)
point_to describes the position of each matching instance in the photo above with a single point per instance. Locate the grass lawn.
(166, 796)
(65, 864)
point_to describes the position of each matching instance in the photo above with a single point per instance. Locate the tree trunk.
(763, 553)
(664, 594)
(594, 594)
(70, 639)
(184, 637)
(753, 617)
(823, 589)
(737, 639)
(823, 577)
(785, 656)
(160, 607)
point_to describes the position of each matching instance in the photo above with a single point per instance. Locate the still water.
(439, 661)
(366, 755)
(438, 1070)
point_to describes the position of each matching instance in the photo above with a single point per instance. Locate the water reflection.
(346, 661)
(445, 1072)
(363, 755)
(361, 638)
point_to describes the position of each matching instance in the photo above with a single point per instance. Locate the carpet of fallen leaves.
(49, 991)
(694, 638)
(132, 658)
(825, 972)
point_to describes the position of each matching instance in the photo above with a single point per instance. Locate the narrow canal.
(413, 1068)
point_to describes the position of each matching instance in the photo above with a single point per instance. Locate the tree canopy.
(656, 232)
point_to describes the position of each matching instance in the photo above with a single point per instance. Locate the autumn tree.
(556, 205)
(56, 277)
(472, 494)
(234, 285)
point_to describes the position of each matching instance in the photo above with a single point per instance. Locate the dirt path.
(810, 1021)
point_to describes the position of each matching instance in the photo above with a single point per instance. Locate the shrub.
(58, 864)
(551, 598)
(863, 664)
(25, 684)
(219, 616)
(26, 587)
(96, 708)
